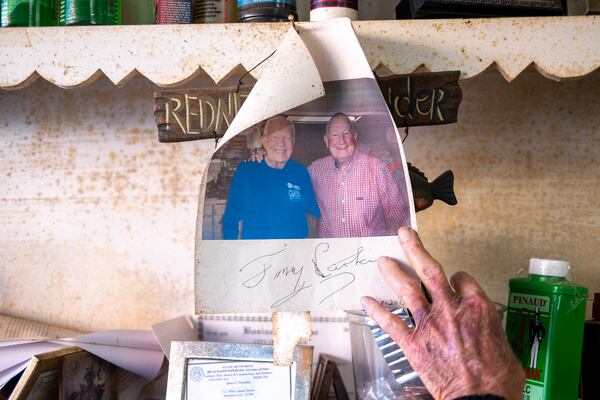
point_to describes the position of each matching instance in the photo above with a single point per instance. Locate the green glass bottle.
(28, 13)
(90, 12)
(544, 326)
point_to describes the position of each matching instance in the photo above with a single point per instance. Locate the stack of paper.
(137, 351)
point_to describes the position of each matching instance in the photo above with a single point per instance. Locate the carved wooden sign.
(429, 98)
(198, 113)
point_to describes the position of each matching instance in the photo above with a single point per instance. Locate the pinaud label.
(529, 302)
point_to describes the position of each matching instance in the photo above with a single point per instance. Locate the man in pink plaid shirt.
(356, 193)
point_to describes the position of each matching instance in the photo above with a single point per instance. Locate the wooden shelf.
(558, 47)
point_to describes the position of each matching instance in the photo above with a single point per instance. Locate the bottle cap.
(596, 306)
(539, 266)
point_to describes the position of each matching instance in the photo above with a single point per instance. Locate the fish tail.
(442, 188)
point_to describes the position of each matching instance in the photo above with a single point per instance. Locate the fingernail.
(404, 234)
(365, 302)
(382, 260)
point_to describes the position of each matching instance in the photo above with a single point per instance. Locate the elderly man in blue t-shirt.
(271, 199)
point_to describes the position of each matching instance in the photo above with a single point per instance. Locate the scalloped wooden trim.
(558, 48)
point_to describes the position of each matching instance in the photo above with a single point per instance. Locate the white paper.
(23, 352)
(304, 274)
(183, 328)
(20, 328)
(14, 342)
(137, 351)
(289, 70)
(262, 276)
(330, 335)
(133, 338)
(16, 354)
(11, 372)
(238, 380)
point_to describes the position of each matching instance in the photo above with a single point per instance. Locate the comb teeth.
(392, 353)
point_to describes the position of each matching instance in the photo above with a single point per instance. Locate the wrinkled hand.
(458, 347)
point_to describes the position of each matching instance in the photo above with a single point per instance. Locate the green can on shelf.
(90, 12)
(546, 314)
(28, 13)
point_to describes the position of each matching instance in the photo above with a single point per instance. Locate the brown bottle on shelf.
(590, 361)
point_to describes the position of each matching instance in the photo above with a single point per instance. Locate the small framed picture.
(236, 371)
(86, 376)
(42, 377)
(326, 376)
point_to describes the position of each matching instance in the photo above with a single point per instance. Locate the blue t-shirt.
(271, 203)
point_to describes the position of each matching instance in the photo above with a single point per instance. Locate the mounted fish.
(425, 192)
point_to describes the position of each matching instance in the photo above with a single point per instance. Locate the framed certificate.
(205, 370)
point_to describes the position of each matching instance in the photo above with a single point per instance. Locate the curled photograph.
(306, 189)
(331, 168)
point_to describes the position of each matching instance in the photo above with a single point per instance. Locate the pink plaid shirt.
(362, 200)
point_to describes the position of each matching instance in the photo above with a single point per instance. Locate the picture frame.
(46, 368)
(85, 375)
(326, 376)
(239, 370)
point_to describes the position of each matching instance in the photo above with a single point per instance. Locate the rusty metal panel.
(558, 47)
(525, 158)
(97, 219)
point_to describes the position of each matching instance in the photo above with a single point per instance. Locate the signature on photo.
(336, 275)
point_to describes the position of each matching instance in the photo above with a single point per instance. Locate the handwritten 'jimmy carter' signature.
(337, 274)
